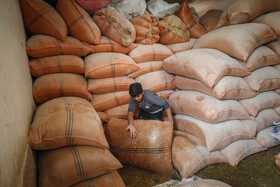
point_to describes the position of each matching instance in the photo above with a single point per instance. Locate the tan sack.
(115, 26)
(238, 41)
(146, 67)
(103, 117)
(150, 150)
(210, 19)
(275, 46)
(244, 11)
(239, 150)
(43, 46)
(277, 109)
(41, 18)
(56, 64)
(205, 65)
(277, 161)
(186, 15)
(145, 53)
(73, 164)
(104, 65)
(157, 81)
(172, 30)
(264, 79)
(179, 47)
(265, 139)
(118, 112)
(55, 85)
(107, 45)
(102, 102)
(215, 136)
(237, 89)
(265, 119)
(189, 154)
(277, 67)
(165, 94)
(203, 183)
(106, 180)
(147, 31)
(206, 108)
(66, 121)
(262, 56)
(264, 100)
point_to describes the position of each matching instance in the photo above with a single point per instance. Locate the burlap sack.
(265, 119)
(102, 102)
(205, 65)
(265, 139)
(275, 46)
(264, 79)
(93, 5)
(206, 108)
(43, 46)
(157, 81)
(147, 31)
(210, 19)
(104, 118)
(107, 85)
(55, 85)
(179, 47)
(56, 64)
(104, 65)
(189, 154)
(237, 89)
(115, 26)
(118, 112)
(146, 67)
(277, 66)
(106, 180)
(262, 56)
(264, 100)
(145, 53)
(216, 136)
(239, 150)
(165, 94)
(150, 150)
(277, 109)
(107, 45)
(203, 183)
(41, 18)
(238, 41)
(73, 164)
(66, 121)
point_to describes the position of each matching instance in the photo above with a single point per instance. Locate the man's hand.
(133, 131)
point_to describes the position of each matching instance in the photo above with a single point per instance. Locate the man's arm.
(131, 127)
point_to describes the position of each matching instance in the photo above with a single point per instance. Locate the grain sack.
(165, 94)
(277, 109)
(106, 180)
(238, 41)
(265, 139)
(150, 150)
(265, 119)
(115, 26)
(262, 56)
(204, 183)
(206, 108)
(102, 102)
(93, 5)
(103, 117)
(55, 85)
(41, 18)
(146, 67)
(264, 79)
(129, 8)
(107, 45)
(42, 46)
(104, 65)
(189, 155)
(179, 47)
(239, 150)
(264, 100)
(157, 81)
(73, 164)
(118, 112)
(107, 85)
(160, 8)
(277, 66)
(205, 65)
(237, 89)
(56, 64)
(277, 161)
(147, 31)
(155, 52)
(275, 46)
(244, 11)
(210, 19)
(66, 121)
(186, 15)
(215, 136)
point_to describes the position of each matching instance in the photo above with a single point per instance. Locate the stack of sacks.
(73, 146)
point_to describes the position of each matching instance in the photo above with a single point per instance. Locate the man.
(151, 107)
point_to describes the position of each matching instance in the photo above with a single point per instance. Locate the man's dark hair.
(135, 89)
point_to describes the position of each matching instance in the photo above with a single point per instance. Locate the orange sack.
(79, 23)
(115, 26)
(93, 5)
(41, 18)
(210, 19)
(147, 31)
(146, 67)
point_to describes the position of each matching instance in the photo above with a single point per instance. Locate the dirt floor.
(257, 170)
